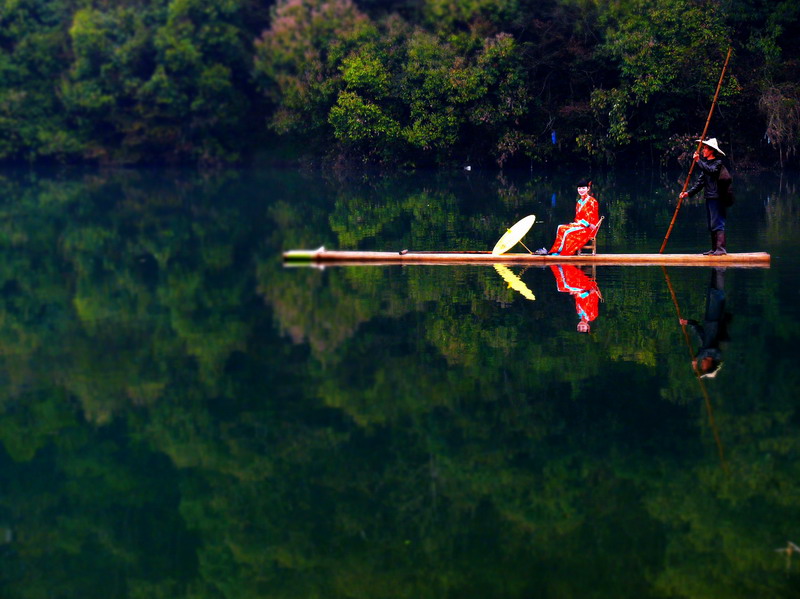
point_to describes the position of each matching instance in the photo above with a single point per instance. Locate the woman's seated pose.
(573, 236)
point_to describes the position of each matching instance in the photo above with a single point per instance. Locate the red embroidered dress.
(573, 236)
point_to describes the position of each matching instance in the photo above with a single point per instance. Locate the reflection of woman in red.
(573, 236)
(571, 279)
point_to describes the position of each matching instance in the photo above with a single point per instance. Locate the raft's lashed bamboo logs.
(754, 259)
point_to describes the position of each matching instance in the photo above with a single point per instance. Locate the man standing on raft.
(573, 236)
(716, 211)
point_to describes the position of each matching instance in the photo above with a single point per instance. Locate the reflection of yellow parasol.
(514, 235)
(514, 282)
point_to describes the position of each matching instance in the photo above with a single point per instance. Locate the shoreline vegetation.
(397, 84)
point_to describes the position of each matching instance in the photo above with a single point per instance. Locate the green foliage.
(32, 48)
(447, 16)
(433, 82)
(669, 53)
(400, 94)
(614, 104)
(366, 72)
(165, 83)
(643, 36)
(132, 82)
(358, 122)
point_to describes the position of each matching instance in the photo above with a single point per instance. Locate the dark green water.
(182, 416)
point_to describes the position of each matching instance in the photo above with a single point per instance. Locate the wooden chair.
(591, 245)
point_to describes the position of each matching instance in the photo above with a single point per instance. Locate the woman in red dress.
(573, 236)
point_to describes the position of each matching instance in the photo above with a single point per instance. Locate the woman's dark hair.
(584, 183)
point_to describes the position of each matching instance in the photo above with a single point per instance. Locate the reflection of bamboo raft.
(323, 256)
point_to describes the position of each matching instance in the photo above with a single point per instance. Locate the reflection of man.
(571, 279)
(714, 329)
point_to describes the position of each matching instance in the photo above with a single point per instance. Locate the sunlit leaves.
(356, 121)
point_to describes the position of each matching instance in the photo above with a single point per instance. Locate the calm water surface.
(183, 416)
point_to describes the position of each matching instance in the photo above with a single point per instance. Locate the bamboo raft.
(350, 257)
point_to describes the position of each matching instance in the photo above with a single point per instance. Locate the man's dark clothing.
(716, 211)
(709, 174)
(715, 325)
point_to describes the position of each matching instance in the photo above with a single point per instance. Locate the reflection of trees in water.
(418, 438)
(782, 211)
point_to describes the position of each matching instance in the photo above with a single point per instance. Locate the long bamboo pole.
(699, 146)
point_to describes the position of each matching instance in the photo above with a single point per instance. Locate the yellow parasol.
(514, 235)
(514, 282)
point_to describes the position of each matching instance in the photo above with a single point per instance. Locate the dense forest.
(401, 83)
